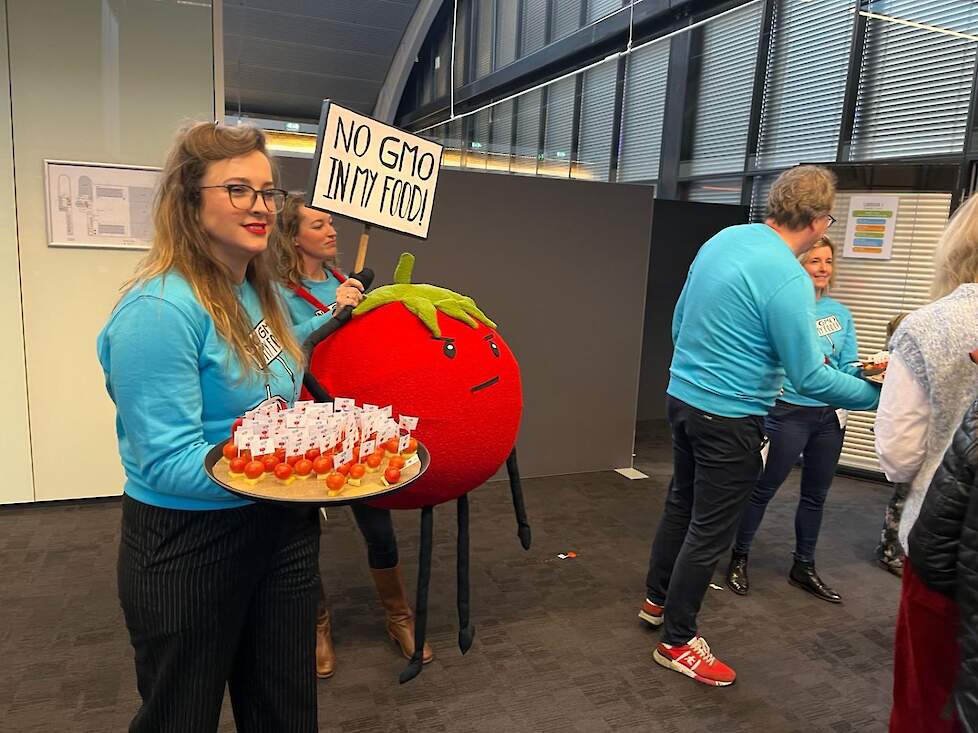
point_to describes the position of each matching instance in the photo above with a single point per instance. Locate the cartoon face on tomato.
(432, 354)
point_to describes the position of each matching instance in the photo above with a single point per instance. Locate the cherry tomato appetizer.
(344, 469)
(412, 446)
(357, 470)
(391, 445)
(373, 461)
(396, 462)
(254, 469)
(335, 481)
(303, 467)
(280, 452)
(392, 475)
(238, 464)
(283, 471)
(229, 450)
(270, 461)
(292, 460)
(312, 454)
(322, 465)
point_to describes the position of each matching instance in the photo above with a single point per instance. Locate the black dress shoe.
(803, 576)
(737, 575)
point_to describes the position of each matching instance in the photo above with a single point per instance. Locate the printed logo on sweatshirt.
(828, 326)
(272, 350)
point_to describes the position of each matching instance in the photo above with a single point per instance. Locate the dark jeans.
(377, 529)
(814, 434)
(716, 462)
(221, 598)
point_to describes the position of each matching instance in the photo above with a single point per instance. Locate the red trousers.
(926, 659)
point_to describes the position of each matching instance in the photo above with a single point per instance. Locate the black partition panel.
(680, 228)
(561, 267)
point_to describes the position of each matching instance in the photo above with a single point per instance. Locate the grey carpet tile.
(558, 646)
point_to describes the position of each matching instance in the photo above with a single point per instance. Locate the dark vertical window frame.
(765, 41)
(576, 124)
(616, 124)
(848, 121)
(680, 88)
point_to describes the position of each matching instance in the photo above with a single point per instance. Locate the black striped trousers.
(215, 598)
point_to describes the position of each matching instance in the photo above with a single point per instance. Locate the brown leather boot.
(325, 655)
(400, 618)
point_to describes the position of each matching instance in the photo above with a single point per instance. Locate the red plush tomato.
(460, 378)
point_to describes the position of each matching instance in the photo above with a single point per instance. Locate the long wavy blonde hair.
(282, 242)
(957, 251)
(181, 245)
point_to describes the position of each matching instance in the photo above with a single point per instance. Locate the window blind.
(597, 119)
(644, 104)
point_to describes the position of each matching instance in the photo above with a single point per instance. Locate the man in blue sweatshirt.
(744, 320)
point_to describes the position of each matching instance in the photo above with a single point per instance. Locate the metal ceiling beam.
(417, 29)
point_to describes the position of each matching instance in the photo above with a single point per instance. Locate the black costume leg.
(523, 527)
(413, 668)
(466, 631)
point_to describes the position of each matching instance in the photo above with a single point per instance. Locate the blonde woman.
(930, 382)
(305, 247)
(799, 425)
(217, 592)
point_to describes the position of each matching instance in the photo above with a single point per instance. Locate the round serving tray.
(311, 491)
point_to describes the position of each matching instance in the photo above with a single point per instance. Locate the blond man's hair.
(800, 195)
(824, 241)
(288, 265)
(181, 245)
(957, 251)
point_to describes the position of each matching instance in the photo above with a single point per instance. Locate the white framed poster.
(99, 205)
(373, 172)
(871, 226)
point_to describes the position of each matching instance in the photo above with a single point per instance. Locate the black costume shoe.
(803, 576)
(737, 575)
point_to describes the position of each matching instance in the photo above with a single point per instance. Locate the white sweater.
(932, 383)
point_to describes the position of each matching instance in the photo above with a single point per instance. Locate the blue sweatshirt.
(177, 389)
(743, 322)
(836, 334)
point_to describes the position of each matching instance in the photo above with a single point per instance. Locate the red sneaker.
(695, 660)
(651, 613)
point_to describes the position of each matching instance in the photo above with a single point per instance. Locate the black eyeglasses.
(244, 197)
(832, 219)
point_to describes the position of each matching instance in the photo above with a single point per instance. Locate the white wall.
(104, 81)
(18, 482)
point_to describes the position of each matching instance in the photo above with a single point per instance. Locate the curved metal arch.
(407, 51)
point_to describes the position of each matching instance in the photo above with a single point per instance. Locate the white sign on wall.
(99, 205)
(871, 226)
(373, 172)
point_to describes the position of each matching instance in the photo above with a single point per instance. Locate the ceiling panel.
(283, 57)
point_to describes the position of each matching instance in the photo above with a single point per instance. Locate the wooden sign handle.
(362, 248)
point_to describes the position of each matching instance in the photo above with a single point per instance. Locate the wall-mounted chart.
(100, 205)
(872, 224)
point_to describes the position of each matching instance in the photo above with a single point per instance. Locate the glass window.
(558, 128)
(501, 138)
(722, 100)
(566, 17)
(597, 121)
(915, 84)
(805, 83)
(645, 97)
(527, 133)
(506, 24)
(760, 187)
(484, 30)
(478, 140)
(534, 26)
(597, 9)
(718, 191)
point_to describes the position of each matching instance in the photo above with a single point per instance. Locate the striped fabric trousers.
(221, 598)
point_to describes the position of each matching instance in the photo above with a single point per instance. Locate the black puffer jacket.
(944, 552)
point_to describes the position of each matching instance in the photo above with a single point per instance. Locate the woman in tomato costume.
(306, 249)
(453, 371)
